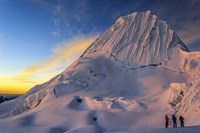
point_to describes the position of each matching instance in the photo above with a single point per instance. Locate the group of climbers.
(181, 119)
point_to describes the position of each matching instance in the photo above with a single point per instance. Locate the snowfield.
(126, 81)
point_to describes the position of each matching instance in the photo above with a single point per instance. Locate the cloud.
(67, 15)
(62, 56)
(55, 33)
(52, 6)
(56, 9)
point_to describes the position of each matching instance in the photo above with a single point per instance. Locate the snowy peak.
(99, 91)
(139, 39)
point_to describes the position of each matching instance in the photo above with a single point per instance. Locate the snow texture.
(127, 80)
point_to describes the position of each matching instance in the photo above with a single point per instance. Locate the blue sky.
(34, 32)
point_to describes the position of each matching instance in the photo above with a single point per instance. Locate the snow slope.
(129, 78)
(140, 39)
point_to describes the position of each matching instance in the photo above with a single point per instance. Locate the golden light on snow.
(62, 55)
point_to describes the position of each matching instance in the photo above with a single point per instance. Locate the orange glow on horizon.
(62, 56)
(9, 85)
(18, 85)
(14, 88)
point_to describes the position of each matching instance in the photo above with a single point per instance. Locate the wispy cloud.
(66, 15)
(62, 55)
(55, 33)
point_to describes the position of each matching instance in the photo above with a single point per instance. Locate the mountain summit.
(130, 77)
(139, 39)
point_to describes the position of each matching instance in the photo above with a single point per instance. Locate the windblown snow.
(127, 80)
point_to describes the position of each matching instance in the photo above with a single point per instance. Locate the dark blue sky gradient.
(30, 29)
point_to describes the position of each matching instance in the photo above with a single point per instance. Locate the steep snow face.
(190, 105)
(140, 39)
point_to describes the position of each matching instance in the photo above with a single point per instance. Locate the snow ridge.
(139, 39)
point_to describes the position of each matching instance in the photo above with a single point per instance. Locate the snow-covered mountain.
(130, 77)
(139, 39)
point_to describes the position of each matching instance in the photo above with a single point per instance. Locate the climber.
(182, 93)
(166, 121)
(181, 121)
(174, 121)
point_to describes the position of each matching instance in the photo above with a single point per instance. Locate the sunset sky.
(40, 38)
